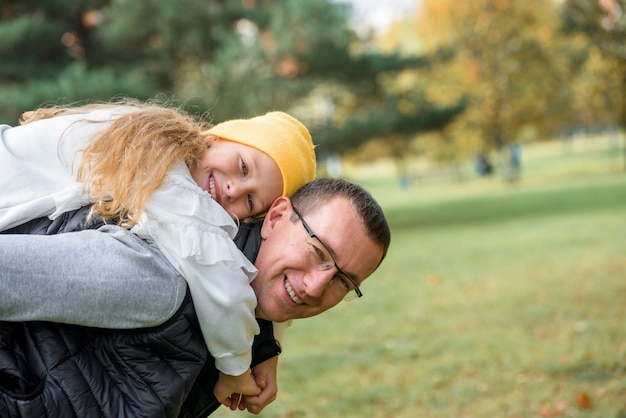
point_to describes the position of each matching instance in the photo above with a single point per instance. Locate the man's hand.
(265, 376)
(229, 389)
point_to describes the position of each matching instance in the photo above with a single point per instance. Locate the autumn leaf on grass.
(584, 400)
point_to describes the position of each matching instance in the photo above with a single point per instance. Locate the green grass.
(494, 301)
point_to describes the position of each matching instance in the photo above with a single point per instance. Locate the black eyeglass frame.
(313, 235)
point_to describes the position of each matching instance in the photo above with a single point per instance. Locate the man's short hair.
(369, 212)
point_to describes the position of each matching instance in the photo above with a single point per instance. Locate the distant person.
(483, 165)
(515, 161)
(169, 180)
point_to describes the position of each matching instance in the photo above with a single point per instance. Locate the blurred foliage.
(450, 79)
(603, 24)
(507, 63)
(227, 58)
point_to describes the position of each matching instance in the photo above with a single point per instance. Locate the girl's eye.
(251, 203)
(244, 168)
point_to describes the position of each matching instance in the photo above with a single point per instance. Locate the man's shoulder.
(248, 238)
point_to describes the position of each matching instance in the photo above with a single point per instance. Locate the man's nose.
(317, 281)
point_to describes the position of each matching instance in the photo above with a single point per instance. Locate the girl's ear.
(280, 210)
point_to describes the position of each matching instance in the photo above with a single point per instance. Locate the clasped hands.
(253, 390)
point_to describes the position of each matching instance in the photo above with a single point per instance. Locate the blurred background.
(491, 132)
(448, 80)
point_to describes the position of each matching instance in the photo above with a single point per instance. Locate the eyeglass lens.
(329, 261)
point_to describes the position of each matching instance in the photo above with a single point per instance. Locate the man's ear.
(280, 210)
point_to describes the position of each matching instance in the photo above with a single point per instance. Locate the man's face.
(289, 285)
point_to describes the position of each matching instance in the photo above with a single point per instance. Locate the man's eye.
(320, 253)
(244, 168)
(342, 280)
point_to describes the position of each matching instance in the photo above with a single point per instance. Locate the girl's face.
(244, 180)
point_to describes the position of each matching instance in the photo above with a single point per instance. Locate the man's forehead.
(336, 205)
(338, 225)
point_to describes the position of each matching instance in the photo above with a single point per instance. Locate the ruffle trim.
(185, 222)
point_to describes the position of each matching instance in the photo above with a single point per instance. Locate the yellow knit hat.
(281, 136)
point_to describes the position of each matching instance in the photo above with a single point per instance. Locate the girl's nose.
(231, 189)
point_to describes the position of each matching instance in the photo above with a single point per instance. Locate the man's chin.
(280, 317)
(271, 313)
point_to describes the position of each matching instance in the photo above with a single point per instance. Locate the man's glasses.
(341, 284)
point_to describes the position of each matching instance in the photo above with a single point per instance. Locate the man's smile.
(292, 293)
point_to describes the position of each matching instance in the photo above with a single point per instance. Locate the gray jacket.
(37, 272)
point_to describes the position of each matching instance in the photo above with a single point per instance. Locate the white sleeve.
(196, 235)
(40, 160)
(224, 302)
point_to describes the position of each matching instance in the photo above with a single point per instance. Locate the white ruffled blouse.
(180, 218)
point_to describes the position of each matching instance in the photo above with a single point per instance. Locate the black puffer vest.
(58, 370)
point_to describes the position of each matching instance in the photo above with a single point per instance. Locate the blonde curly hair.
(128, 161)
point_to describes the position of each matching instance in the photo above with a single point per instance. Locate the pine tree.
(224, 58)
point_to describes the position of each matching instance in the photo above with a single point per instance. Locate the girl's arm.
(101, 278)
(196, 235)
(224, 302)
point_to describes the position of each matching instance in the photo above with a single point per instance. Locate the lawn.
(494, 301)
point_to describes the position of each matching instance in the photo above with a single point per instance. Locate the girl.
(171, 181)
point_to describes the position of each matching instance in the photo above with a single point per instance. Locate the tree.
(227, 58)
(313, 70)
(507, 64)
(57, 50)
(48, 53)
(603, 23)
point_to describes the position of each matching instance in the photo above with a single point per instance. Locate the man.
(306, 266)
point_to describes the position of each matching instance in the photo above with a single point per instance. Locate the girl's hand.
(265, 376)
(228, 389)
